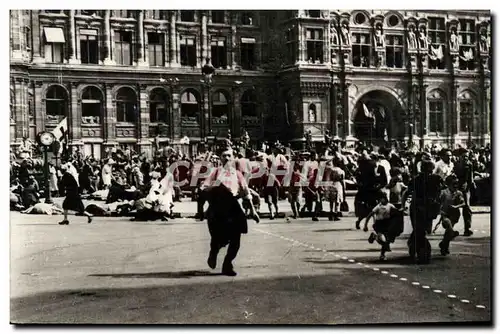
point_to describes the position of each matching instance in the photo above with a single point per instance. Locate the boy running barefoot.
(384, 215)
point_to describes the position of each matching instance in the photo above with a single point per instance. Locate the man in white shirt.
(444, 167)
(226, 219)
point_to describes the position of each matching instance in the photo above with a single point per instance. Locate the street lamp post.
(410, 144)
(208, 70)
(46, 139)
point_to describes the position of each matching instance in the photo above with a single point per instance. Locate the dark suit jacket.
(225, 216)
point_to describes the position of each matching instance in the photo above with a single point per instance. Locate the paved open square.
(303, 272)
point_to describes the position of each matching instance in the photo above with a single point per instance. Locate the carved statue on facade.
(312, 115)
(334, 36)
(422, 39)
(344, 32)
(208, 71)
(454, 41)
(412, 38)
(379, 37)
(484, 43)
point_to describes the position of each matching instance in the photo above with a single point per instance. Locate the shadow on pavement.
(335, 230)
(365, 250)
(281, 300)
(172, 274)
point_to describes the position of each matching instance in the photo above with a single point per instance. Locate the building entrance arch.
(378, 117)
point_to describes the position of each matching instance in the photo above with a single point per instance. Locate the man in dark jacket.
(226, 219)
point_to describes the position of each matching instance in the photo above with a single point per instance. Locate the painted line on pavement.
(383, 272)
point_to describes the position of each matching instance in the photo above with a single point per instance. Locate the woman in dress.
(72, 201)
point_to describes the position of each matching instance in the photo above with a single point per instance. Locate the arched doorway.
(378, 117)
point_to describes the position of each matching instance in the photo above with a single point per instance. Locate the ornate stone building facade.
(124, 76)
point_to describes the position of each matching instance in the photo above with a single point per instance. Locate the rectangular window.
(187, 15)
(436, 113)
(155, 14)
(27, 34)
(156, 47)
(219, 54)
(188, 51)
(466, 116)
(247, 54)
(291, 46)
(361, 50)
(88, 46)
(467, 38)
(123, 47)
(246, 18)
(54, 44)
(437, 36)
(315, 46)
(394, 51)
(54, 52)
(218, 16)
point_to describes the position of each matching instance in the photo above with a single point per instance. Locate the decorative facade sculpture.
(334, 36)
(422, 38)
(312, 115)
(346, 37)
(454, 41)
(412, 38)
(379, 39)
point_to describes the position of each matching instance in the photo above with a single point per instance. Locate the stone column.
(234, 43)
(174, 55)
(303, 43)
(75, 117)
(204, 37)
(175, 122)
(39, 107)
(143, 126)
(237, 122)
(107, 39)
(348, 128)
(140, 43)
(36, 33)
(110, 122)
(20, 112)
(72, 35)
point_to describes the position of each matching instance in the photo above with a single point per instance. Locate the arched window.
(220, 108)
(126, 105)
(158, 106)
(56, 103)
(92, 104)
(189, 108)
(249, 108)
(468, 113)
(437, 105)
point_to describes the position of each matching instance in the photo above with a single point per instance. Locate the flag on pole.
(60, 132)
(368, 113)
